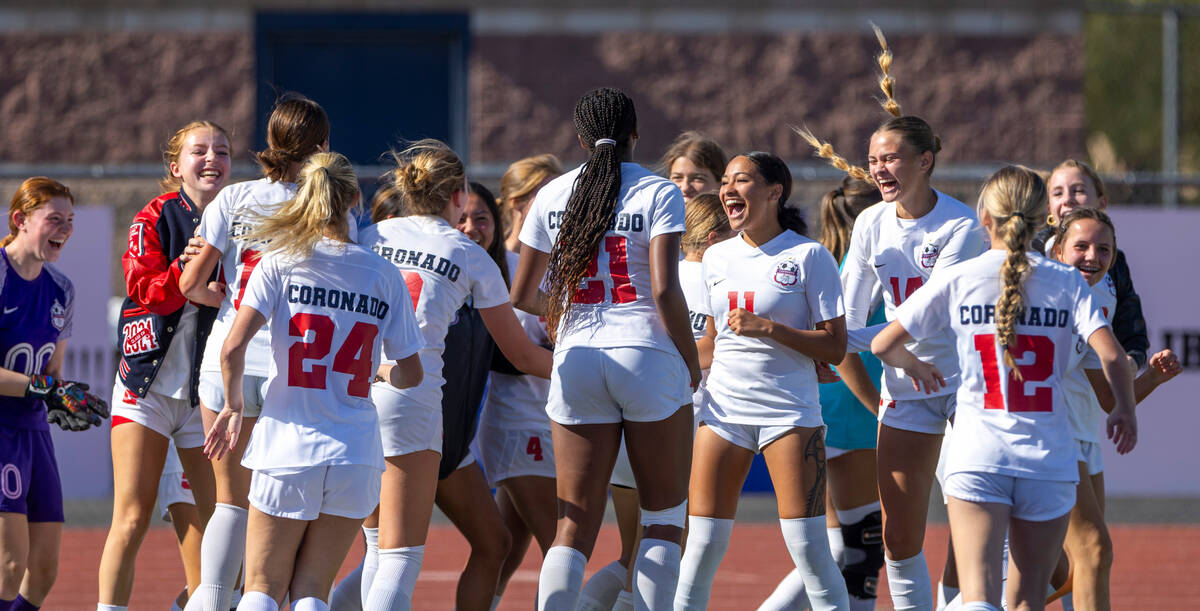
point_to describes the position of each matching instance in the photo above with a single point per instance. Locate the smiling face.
(692, 179)
(896, 167)
(1089, 246)
(1071, 188)
(45, 230)
(750, 202)
(203, 164)
(477, 222)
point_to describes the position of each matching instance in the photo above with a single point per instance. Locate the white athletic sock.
(104, 607)
(392, 589)
(257, 601)
(908, 581)
(600, 592)
(221, 553)
(624, 601)
(854, 515)
(788, 595)
(707, 541)
(837, 545)
(945, 595)
(370, 562)
(978, 606)
(310, 603)
(808, 544)
(347, 594)
(561, 579)
(656, 574)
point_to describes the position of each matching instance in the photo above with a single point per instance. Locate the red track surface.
(1155, 568)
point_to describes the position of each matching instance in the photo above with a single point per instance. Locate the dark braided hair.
(599, 114)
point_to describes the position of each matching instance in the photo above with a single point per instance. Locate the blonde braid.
(886, 82)
(825, 150)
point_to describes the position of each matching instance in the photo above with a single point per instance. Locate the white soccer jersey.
(233, 214)
(691, 280)
(791, 280)
(901, 255)
(613, 306)
(1004, 425)
(518, 402)
(1087, 417)
(330, 317)
(443, 268)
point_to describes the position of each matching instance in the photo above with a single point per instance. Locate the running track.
(1155, 568)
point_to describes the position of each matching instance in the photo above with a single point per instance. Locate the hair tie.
(604, 141)
(1018, 215)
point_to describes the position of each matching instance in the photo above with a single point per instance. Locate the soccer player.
(162, 334)
(36, 306)
(605, 237)
(1011, 462)
(298, 127)
(775, 302)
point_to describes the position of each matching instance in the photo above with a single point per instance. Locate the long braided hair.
(1015, 198)
(600, 114)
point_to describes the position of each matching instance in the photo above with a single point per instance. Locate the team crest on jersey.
(58, 315)
(787, 273)
(139, 337)
(929, 255)
(137, 243)
(1108, 284)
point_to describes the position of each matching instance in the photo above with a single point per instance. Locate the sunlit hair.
(887, 84)
(1015, 198)
(31, 195)
(496, 249)
(1097, 182)
(697, 148)
(297, 128)
(917, 134)
(174, 149)
(427, 174)
(839, 208)
(1080, 214)
(521, 180)
(704, 215)
(387, 202)
(327, 193)
(825, 151)
(604, 113)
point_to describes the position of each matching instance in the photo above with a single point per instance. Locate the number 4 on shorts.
(534, 447)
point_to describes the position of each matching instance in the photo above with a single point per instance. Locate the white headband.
(605, 141)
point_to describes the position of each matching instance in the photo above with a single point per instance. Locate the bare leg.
(463, 496)
(978, 530)
(1034, 548)
(138, 454)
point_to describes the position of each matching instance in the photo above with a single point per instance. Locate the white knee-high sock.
(347, 594)
(257, 601)
(808, 544)
(370, 561)
(837, 546)
(908, 581)
(104, 607)
(561, 579)
(396, 578)
(707, 541)
(600, 592)
(656, 574)
(221, 553)
(310, 603)
(788, 595)
(624, 601)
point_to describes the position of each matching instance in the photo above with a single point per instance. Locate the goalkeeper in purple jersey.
(36, 303)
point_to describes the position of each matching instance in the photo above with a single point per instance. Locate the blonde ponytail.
(887, 84)
(825, 150)
(327, 191)
(1015, 198)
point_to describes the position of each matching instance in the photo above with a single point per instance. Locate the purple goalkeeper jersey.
(34, 315)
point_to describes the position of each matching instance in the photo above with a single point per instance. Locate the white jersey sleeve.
(691, 280)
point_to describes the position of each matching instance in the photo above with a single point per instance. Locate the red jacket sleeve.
(151, 278)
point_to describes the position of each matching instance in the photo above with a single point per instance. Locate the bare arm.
(510, 337)
(889, 347)
(526, 293)
(193, 282)
(1122, 421)
(407, 372)
(224, 432)
(1162, 367)
(705, 345)
(854, 373)
(668, 298)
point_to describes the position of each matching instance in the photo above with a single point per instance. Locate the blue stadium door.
(383, 78)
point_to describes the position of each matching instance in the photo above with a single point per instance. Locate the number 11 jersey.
(613, 306)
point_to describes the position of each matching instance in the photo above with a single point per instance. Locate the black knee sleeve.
(864, 555)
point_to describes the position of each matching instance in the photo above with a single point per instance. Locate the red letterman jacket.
(154, 304)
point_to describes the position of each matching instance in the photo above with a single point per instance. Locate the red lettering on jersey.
(910, 286)
(1042, 399)
(746, 297)
(1105, 311)
(353, 358)
(591, 289)
(250, 259)
(415, 283)
(139, 337)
